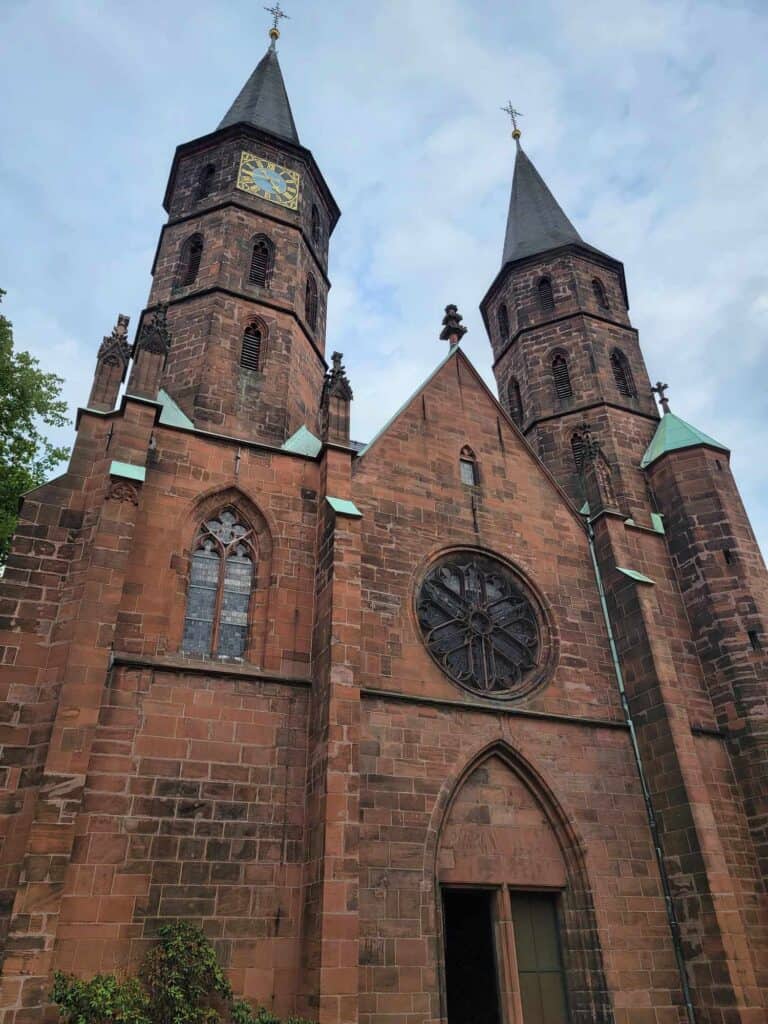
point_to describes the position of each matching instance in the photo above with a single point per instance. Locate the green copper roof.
(673, 433)
(171, 415)
(127, 470)
(633, 574)
(303, 442)
(343, 507)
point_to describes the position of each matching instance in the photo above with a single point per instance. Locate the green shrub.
(180, 981)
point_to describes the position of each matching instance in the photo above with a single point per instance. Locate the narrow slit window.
(191, 255)
(546, 296)
(727, 556)
(754, 640)
(503, 322)
(220, 587)
(622, 375)
(468, 467)
(262, 262)
(250, 353)
(315, 225)
(562, 377)
(515, 400)
(205, 181)
(601, 297)
(310, 302)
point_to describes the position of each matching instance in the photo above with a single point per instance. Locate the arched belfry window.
(205, 181)
(578, 449)
(220, 585)
(503, 320)
(546, 296)
(189, 265)
(468, 467)
(315, 225)
(262, 261)
(561, 377)
(310, 302)
(250, 353)
(601, 297)
(515, 402)
(622, 374)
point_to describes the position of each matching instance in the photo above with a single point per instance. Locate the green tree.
(29, 399)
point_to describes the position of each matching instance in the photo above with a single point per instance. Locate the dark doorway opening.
(470, 957)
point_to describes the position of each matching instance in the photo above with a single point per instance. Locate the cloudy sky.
(647, 118)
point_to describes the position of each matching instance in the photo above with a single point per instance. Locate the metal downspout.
(674, 925)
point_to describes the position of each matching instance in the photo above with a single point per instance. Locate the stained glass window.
(220, 584)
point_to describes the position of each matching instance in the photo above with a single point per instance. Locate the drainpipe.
(674, 924)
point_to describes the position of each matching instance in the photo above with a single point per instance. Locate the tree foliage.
(180, 981)
(29, 399)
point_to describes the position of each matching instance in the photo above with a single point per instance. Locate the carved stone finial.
(453, 329)
(336, 383)
(115, 348)
(154, 335)
(660, 390)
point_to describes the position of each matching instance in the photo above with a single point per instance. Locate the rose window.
(478, 624)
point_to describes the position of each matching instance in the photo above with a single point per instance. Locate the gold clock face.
(269, 181)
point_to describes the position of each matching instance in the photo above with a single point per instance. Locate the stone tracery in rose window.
(479, 625)
(220, 585)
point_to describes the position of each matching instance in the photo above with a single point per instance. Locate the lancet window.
(262, 261)
(622, 374)
(561, 376)
(250, 353)
(503, 320)
(515, 401)
(310, 302)
(205, 181)
(191, 254)
(546, 296)
(220, 586)
(600, 294)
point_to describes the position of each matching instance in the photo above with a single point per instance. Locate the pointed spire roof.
(263, 101)
(672, 434)
(536, 221)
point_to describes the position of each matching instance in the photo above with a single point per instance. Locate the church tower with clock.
(241, 270)
(463, 725)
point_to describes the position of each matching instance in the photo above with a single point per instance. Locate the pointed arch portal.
(518, 934)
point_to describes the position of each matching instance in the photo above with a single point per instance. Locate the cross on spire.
(513, 115)
(660, 389)
(277, 13)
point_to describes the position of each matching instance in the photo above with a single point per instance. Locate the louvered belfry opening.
(310, 302)
(561, 377)
(622, 374)
(190, 260)
(600, 294)
(546, 296)
(577, 448)
(262, 260)
(250, 354)
(503, 319)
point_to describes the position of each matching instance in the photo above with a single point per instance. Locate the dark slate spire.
(536, 221)
(263, 101)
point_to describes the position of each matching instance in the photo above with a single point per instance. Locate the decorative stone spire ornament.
(335, 402)
(660, 389)
(597, 474)
(111, 364)
(149, 354)
(453, 329)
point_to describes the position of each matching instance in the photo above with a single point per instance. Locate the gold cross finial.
(513, 114)
(277, 13)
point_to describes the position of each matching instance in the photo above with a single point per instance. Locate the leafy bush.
(180, 981)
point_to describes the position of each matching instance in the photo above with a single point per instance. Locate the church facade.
(468, 724)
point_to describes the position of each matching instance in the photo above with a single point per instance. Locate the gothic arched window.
(250, 353)
(515, 402)
(310, 302)
(315, 225)
(561, 376)
(205, 181)
(577, 449)
(468, 467)
(503, 320)
(189, 265)
(262, 261)
(601, 298)
(622, 374)
(220, 585)
(546, 297)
